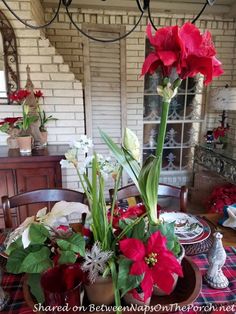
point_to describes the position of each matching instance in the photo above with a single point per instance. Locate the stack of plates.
(190, 230)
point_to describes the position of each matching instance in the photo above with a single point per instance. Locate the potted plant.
(42, 242)
(220, 136)
(43, 121)
(9, 126)
(24, 138)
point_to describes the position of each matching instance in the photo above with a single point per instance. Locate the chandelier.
(143, 6)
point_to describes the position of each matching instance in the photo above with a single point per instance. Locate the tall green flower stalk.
(147, 177)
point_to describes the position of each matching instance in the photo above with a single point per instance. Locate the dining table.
(209, 300)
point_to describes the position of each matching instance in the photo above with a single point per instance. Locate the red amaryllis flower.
(153, 260)
(198, 55)
(185, 49)
(167, 53)
(19, 95)
(121, 214)
(38, 94)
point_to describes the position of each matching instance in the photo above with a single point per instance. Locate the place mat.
(221, 296)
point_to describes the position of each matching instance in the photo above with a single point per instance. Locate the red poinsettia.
(154, 260)
(38, 94)
(185, 49)
(121, 213)
(11, 121)
(220, 132)
(19, 95)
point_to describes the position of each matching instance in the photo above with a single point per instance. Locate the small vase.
(160, 292)
(100, 292)
(219, 145)
(44, 138)
(12, 142)
(129, 299)
(25, 144)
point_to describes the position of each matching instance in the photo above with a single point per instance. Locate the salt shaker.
(216, 258)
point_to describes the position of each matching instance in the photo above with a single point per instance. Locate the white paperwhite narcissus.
(131, 144)
(95, 261)
(83, 144)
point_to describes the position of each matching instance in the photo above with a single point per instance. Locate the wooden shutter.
(104, 82)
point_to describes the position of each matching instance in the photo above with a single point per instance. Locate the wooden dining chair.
(164, 190)
(38, 196)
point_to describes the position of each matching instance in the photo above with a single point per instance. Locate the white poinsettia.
(19, 231)
(63, 213)
(95, 261)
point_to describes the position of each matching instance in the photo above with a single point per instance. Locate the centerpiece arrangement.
(131, 250)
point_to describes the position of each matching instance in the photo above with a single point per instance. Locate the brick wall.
(63, 92)
(69, 43)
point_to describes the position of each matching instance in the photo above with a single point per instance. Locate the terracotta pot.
(12, 142)
(25, 144)
(129, 299)
(100, 292)
(44, 138)
(157, 290)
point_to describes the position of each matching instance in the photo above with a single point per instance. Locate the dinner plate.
(188, 228)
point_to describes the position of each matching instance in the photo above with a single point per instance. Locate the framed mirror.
(9, 70)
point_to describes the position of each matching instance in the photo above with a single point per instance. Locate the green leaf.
(75, 243)
(127, 282)
(139, 230)
(17, 244)
(67, 257)
(38, 233)
(37, 262)
(35, 287)
(15, 260)
(130, 165)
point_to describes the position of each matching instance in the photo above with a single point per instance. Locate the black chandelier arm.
(150, 18)
(200, 13)
(33, 26)
(103, 40)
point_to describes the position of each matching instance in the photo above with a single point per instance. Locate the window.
(184, 121)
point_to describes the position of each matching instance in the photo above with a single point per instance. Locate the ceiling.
(221, 7)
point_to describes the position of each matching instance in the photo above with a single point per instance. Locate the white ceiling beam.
(156, 6)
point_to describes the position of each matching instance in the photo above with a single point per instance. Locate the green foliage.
(125, 159)
(148, 184)
(27, 120)
(37, 257)
(127, 282)
(67, 257)
(75, 244)
(37, 262)
(35, 287)
(44, 120)
(4, 127)
(38, 234)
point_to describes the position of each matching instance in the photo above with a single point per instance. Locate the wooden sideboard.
(19, 174)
